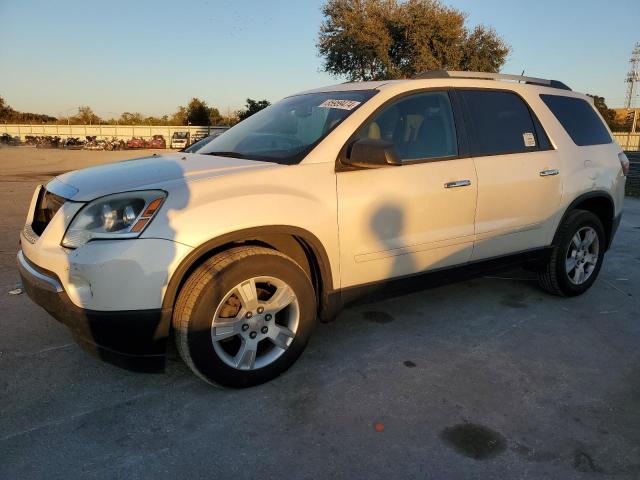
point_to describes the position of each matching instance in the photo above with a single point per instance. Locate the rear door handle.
(548, 173)
(457, 183)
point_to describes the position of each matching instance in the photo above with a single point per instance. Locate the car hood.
(156, 171)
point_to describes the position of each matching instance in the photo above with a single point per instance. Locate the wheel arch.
(601, 204)
(299, 244)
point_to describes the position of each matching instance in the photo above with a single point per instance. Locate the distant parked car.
(136, 142)
(180, 140)
(157, 141)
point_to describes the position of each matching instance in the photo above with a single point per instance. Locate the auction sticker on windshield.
(341, 104)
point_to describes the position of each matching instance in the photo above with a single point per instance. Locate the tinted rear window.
(579, 119)
(501, 123)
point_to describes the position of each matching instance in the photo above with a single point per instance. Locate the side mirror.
(372, 153)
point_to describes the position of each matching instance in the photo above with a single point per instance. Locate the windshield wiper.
(257, 158)
(228, 154)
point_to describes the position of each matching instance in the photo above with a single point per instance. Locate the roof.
(441, 75)
(492, 76)
(343, 87)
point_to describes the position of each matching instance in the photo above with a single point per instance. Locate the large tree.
(85, 116)
(385, 39)
(180, 117)
(214, 116)
(128, 118)
(4, 108)
(251, 107)
(197, 112)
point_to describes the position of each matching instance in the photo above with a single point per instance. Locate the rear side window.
(579, 119)
(501, 123)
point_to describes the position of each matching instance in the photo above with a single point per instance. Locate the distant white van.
(180, 140)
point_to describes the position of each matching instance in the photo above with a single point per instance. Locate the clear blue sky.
(151, 56)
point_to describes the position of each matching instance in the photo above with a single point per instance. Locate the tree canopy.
(197, 112)
(128, 118)
(607, 113)
(251, 107)
(4, 108)
(85, 116)
(387, 39)
(9, 115)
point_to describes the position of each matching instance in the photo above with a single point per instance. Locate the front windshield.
(286, 131)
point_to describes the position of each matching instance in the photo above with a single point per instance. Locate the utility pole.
(633, 77)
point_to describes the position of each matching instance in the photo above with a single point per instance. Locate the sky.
(152, 56)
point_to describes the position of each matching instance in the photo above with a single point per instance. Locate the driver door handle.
(548, 173)
(457, 183)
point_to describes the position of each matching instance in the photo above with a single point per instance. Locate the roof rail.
(491, 76)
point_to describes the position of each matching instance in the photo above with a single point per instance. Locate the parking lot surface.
(487, 378)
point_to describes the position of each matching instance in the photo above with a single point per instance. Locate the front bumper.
(132, 339)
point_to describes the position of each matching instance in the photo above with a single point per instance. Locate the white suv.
(311, 203)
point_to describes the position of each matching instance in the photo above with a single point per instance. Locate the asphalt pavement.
(487, 378)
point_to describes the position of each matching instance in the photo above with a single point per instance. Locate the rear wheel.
(244, 316)
(577, 257)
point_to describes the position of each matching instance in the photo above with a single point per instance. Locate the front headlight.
(122, 215)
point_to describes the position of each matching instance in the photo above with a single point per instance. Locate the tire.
(213, 291)
(555, 278)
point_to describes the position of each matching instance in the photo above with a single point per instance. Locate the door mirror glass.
(372, 153)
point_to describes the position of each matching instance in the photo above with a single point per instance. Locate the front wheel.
(576, 257)
(244, 316)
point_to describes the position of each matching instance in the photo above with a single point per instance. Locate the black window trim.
(458, 123)
(537, 124)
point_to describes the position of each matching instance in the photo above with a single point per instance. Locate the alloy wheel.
(582, 255)
(255, 323)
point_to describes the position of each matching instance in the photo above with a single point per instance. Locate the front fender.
(299, 200)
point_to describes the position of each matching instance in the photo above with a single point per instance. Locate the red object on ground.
(136, 143)
(379, 427)
(157, 141)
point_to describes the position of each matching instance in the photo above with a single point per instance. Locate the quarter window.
(579, 119)
(420, 127)
(501, 123)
